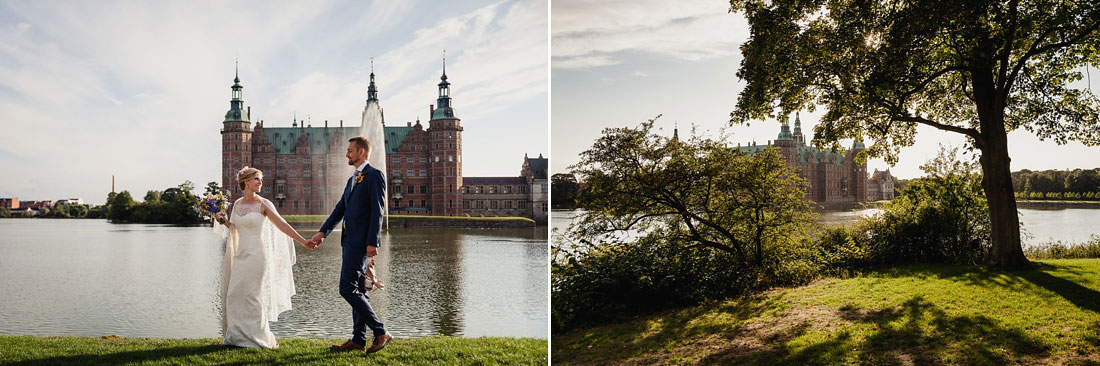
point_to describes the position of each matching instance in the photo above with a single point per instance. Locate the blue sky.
(138, 89)
(617, 63)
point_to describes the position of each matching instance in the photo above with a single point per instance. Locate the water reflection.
(87, 277)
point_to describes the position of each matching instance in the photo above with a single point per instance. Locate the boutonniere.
(359, 177)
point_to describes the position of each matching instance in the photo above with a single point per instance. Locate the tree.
(704, 192)
(121, 207)
(4, 212)
(213, 188)
(977, 68)
(563, 190)
(152, 196)
(178, 204)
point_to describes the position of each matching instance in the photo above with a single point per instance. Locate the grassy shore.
(909, 315)
(26, 350)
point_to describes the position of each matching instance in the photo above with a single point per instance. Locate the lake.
(93, 278)
(1070, 225)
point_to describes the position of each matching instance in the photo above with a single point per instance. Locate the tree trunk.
(996, 172)
(1003, 218)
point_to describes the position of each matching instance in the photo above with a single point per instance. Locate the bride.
(257, 281)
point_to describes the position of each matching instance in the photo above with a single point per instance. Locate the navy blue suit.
(361, 210)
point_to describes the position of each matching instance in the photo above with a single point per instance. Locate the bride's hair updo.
(245, 174)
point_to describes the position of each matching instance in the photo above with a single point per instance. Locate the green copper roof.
(395, 136)
(444, 113)
(283, 139)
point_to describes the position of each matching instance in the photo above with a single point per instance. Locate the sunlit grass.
(26, 350)
(927, 314)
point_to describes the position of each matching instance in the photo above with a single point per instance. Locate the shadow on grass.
(1040, 274)
(646, 335)
(915, 333)
(157, 355)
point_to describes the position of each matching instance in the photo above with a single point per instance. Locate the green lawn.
(909, 315)
(25, 350)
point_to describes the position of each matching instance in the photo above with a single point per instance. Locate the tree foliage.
(977, 68)
(564, 190)
(704, 192)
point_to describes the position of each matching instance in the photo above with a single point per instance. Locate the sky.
(618, 63)
(138, 90)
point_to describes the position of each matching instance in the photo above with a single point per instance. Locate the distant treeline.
(174, 205)
(61, 211)
(1077, 184)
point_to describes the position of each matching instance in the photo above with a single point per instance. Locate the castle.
(834, 177)
(305, 168)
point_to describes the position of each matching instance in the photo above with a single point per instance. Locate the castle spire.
(443, 108)
(236, 104)
(785, 130)
(372, 90)
(798, 129)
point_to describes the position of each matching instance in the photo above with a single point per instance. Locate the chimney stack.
(249, 115)
(112, 184)
(431, 110)
(326, 123)
(341, 123)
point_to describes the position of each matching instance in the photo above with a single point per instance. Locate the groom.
(361, 210)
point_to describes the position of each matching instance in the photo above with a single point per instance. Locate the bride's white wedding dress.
(257, 281)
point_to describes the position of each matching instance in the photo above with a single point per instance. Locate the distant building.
(69, 201)
(524, 195)
(833, 176)
(9, 203)
(881, 186)
(36, 205)
(302, 164)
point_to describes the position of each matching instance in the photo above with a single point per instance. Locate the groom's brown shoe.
(347, 346)
(380, 342)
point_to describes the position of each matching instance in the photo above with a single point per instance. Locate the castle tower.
(786, 143)
(858, 172)
(445, 146)
(236, 139)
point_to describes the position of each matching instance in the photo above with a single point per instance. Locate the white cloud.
(597, 33)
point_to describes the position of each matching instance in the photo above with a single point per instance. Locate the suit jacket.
(361, 209)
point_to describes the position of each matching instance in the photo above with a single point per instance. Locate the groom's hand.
(372, 251)
(317, 239)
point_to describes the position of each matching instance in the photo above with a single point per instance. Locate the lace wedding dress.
(257, 281)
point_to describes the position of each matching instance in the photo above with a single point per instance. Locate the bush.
(612, 282)
(940, 218)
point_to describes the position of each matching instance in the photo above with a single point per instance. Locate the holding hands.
(315, 241)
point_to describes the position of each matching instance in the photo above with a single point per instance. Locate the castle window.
(481, 204)
(507, 190)
(450, 203)
(450, 188)
(295, 204)
(411, 172)
(465, 190)
(521, 204)
(423, 204)
(306, 173)
(423, 188)
(281, 160)
(466, 204)
(293, 173)
(409, 160)
(437, 158)
(477, 189)
(267, 160)
(293, 160)
(423, 172)
(423, 159)
(508, 205)
(307, 204)
(493, 205)
(410, 203)
(236, 159)
(492, 189)
(450, 158)
(410, 189)
(308, 190)
(396, 188)
(396, 173)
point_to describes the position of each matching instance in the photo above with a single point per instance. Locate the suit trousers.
(352, 277)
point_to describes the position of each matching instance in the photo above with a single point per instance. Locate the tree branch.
(956, 129)
(1034, 50)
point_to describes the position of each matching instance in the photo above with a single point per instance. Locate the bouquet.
(211, 205)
